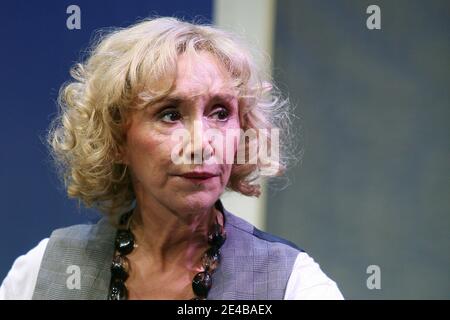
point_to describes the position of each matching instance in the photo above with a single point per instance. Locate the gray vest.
(254, 264)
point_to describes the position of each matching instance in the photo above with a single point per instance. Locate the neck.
(166, 237)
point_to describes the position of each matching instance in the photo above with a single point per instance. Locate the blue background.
(37, 52)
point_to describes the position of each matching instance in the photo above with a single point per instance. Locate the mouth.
(197, 177)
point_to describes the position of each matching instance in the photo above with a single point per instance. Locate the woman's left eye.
(221, 114)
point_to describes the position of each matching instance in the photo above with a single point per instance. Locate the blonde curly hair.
(117, 76)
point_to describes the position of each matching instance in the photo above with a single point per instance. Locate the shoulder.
(305, 278)
(257, 251)
(250, 237)
(21, 279)
(308, 282)
(83, 232)
(82, 241)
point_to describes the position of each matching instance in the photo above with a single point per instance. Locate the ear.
(121, 155)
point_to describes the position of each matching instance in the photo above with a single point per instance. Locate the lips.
(198, 175)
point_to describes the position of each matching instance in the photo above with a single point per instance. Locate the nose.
(199, 147)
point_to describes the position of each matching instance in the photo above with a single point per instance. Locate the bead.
(201, 284)
(124, 242)
(211, 259)
(217, 237)
(118, 290)
(124, 218)
(120, 267)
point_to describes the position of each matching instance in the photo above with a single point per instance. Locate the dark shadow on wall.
(374, 186)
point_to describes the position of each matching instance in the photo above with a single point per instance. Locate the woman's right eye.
(170, 116)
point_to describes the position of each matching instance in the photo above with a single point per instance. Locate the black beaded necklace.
(125, 243)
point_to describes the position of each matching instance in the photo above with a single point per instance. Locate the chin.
(196, 202)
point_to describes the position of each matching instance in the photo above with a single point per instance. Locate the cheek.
(148, 146)
(232, 140)
(228, 169)
(227, 175)
(227, 141)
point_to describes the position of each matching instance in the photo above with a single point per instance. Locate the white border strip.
(255, 19)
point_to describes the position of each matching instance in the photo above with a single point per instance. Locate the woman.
(165, 234)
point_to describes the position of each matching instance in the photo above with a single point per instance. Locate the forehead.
(201, 74)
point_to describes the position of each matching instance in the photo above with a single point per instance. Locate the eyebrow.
(177, 99)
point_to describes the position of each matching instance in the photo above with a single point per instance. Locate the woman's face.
(202, 99)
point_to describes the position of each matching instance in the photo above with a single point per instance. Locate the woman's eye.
(170, 116)
(222, 114)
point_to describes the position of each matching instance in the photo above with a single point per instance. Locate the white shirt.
(306, 282)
